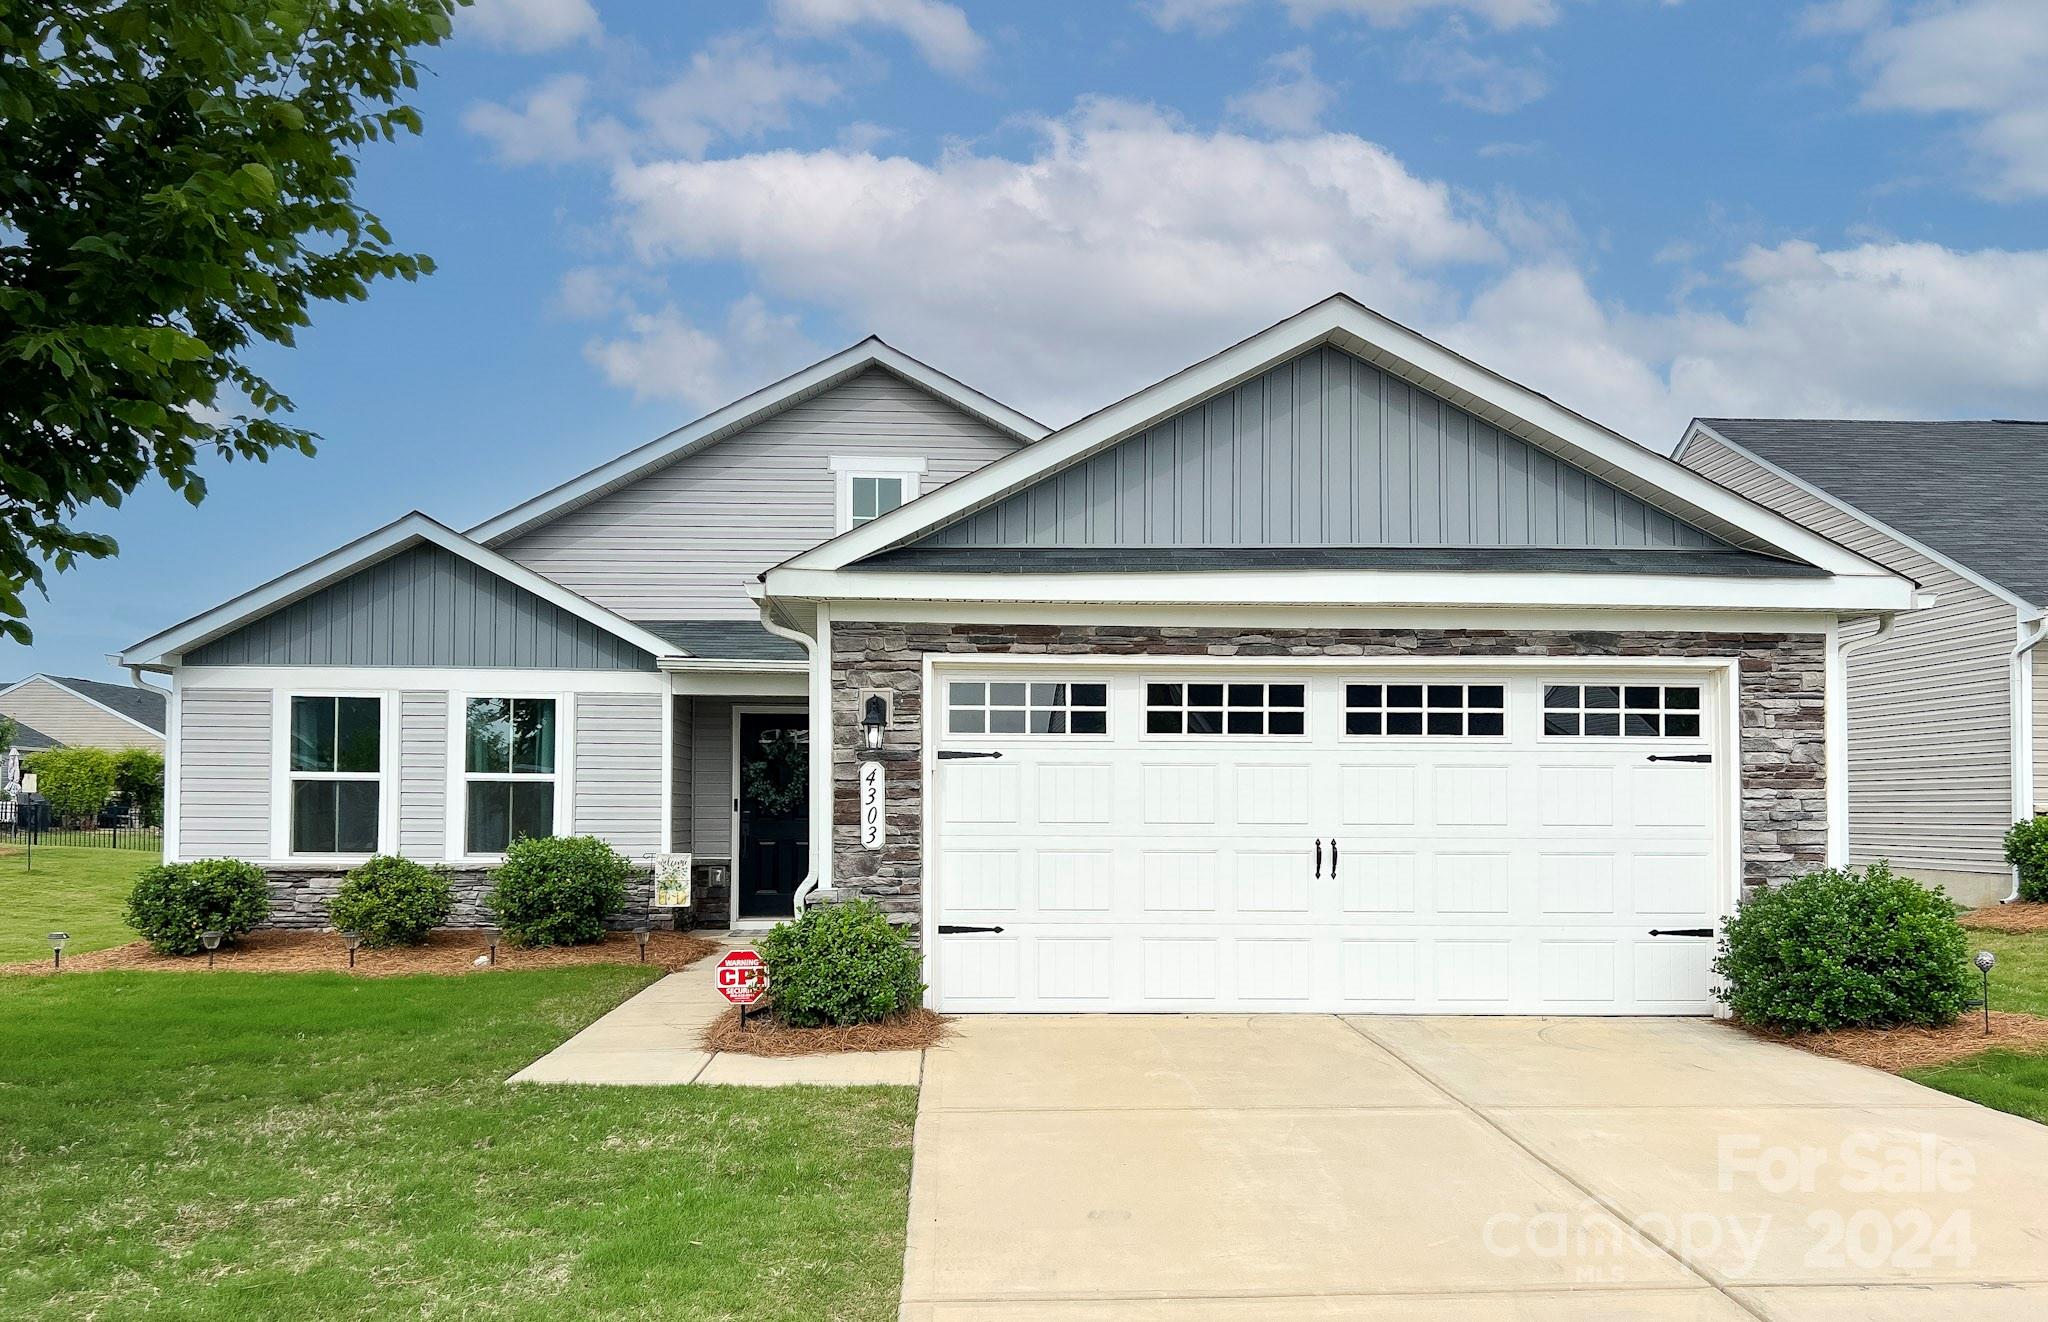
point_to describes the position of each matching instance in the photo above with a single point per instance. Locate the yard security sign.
(742, 978)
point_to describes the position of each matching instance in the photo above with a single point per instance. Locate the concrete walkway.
(653, 1039)
(1257, 1169)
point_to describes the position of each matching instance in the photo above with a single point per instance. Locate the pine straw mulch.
(1896, 1050)
(766, 1035)
(444, 952)
(2018, 917)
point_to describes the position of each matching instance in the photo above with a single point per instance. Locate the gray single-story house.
(53, 710)
(1947, 723)
(1334, 671)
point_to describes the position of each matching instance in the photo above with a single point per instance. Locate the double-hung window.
(869, 486)
(337, 763)
(508, 763)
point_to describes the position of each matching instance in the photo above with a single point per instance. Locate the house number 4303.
(873, 809)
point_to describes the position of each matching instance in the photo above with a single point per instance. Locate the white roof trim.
(90, 701)
(1393, 348)
(1962, 571)
(367, 550)
(746, 412)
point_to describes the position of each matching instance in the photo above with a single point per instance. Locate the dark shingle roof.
(724, 640)
(28, 739)
(1728, 562)
(1974, 491)
(149, 706)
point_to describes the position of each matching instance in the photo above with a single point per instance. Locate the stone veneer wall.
(1784, 754)
(299, 896)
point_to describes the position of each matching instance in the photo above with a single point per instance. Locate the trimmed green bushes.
(2026, 848)
(1846, 949)
(840, 964)
(77, 781)
(558, 890)
(392, 901)
(173, 903)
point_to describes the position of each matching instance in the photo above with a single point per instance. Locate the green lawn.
(2007, 1080)
(312, 1145)
(70, 889)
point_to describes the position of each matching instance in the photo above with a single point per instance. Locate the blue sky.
(1649, 209)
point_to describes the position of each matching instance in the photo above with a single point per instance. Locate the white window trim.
(1107, 709)
(1265, 709)
(282, 775)
(459, 776)
(847, 467)
(1344, 709)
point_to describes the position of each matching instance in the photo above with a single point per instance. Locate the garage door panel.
(1272, 795)
(1670, 973)
(1074, 794)
(1379, 882)
(1075, 880)
(1575, 883)
(1179, 794)
(1672, 885)
(1576, 795)
(1671, 795)
(1380, 970)
(1075, 968)
(1181, 880)
(1271, 880)
(1576, 970)
(1469, 796)
(1471, 971)
(1470, 883)
(1375, 794)
(1180, 969)
(972, 793)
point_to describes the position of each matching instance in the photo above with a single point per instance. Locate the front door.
(773, 798)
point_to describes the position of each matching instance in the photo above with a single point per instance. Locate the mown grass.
(2005, 1080)
(71, 889)
(311, 1145)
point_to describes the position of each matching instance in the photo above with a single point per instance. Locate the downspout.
(819, 726)
(2022, 732)
(1838, 736)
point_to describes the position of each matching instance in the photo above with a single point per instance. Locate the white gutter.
(2020, 681)
(1837, 721)
(821, 740)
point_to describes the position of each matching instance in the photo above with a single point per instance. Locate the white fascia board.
(1224, 588)
(91, 701)
(747, 411)
(1403, 353)
(2027, 609)
(367, 550)
(684, 664)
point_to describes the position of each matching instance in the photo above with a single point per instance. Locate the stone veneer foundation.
(1784, 759)
(299, 897)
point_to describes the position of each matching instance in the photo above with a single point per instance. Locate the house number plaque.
(873, 806)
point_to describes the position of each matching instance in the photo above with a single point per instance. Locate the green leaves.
(176, 186)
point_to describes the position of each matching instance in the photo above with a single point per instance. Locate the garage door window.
(1214, 709)
(1599, 711)
(1019, 708)
(1454, 710)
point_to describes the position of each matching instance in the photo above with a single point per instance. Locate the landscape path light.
(641, 934)
(210, 938)
(1985, 959)
(492, 936)
(57, 940)
(352, 940)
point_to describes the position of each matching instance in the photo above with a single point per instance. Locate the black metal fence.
(20, 825)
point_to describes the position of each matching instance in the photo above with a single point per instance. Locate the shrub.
(173, 903)
(77, 781)
(840, 964)
(392, 901)
(2026, 848)
(557, 890)
(139, 778)
(1846, 949)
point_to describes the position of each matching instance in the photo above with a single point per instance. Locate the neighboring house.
(31, 740)
(1332, 672)
(1946, 716)
(59, 709)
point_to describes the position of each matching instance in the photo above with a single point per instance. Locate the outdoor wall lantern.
(874, 715)
(352, 940)
(210, 938)
(641, 934)
(57, 940)
(1985, 959)
(493, 936)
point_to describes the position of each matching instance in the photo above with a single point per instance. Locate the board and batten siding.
(423, 773)
(682, 766)
(71, 720)
(1322, 450)
(682, 543)
(1930, 708)
(223, 773)
(424, 606)
(619, 795)
(711, 787)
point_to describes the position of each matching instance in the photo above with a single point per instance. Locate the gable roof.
(1404, 354)
(146, 709)
(750, 411)
(29, 739)
(726, 640)
(1969, 492)
(410, 530)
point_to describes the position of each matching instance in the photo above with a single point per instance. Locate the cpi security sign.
(741, 977)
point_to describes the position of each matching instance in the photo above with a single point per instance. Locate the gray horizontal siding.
(423, 774)
(70, 719)
(1323, 450)
(2040, 734)
(424, 606)
(683, 543)
(224, 773)
(1930, 736)
(619, 794)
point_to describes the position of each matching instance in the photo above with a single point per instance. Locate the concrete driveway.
(1168, 1167)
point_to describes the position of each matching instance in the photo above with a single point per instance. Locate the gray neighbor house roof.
(149, 706)
(1977, 492)
(29, 739)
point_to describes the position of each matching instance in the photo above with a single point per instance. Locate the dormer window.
(871, 485)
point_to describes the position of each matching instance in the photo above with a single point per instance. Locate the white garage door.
(1451, 840)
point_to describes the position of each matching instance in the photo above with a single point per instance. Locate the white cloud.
(940, 31)
(1211, 16)
(1204, 16)
(550, 127)
(664, 355)
(733, 88)
(528, 26)
(1467, 78)
(1289, 98)
(1984, 60)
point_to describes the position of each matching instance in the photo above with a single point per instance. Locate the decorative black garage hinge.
(1656, 931)
(954, 929)
(1657, 757)
(949, 754)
